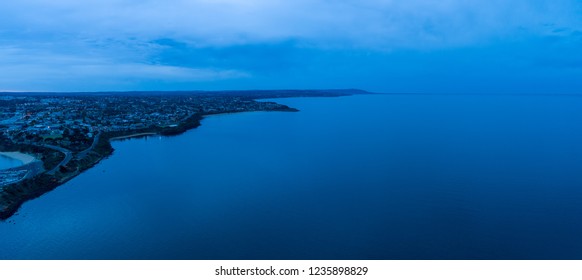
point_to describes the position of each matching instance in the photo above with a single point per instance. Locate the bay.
(7, 162)
(358, 177)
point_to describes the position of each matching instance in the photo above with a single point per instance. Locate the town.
(68, 133)
(72, 122)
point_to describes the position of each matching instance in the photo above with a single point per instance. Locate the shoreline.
(235, 113)
(132, 135)
(14, 195)
(24, 158)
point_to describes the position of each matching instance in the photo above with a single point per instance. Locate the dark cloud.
(376, 44)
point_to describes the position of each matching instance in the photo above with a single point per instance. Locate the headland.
(71, 132)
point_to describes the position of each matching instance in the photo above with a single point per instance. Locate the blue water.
(360, 177)
(6, 162)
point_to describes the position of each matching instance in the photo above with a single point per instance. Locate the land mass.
(71, 132)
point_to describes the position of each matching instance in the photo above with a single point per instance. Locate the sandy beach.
(26, 159)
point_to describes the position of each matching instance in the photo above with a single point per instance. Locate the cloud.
(40, 71)
(361, 23)
(156, 44)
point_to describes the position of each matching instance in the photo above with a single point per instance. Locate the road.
(84, 153)
(68, 157)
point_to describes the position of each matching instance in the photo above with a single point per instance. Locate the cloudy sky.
(424, 46)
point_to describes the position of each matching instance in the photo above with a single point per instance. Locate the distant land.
(69, 132)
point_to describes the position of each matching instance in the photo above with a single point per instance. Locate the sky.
(406, 46)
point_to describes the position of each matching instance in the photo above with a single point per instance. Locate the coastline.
(35, 187)
(235, 113)
(24, 158)
(132, 136)
(14, 195)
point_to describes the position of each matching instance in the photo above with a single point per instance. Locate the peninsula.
(68, 133)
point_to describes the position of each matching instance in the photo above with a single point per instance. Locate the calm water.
(6, 162)
(361, 177)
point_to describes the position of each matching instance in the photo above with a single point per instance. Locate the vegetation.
(71, 133)
(13, 196)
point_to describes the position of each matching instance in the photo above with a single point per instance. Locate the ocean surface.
(7, 162)
(358, 177)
